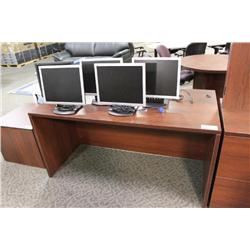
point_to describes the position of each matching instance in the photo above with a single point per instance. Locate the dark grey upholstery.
(195, 49)
(75, 51)
(80, 49)
(186, 75)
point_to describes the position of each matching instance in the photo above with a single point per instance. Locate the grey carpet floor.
(103, 177)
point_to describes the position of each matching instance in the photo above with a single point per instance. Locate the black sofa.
(74, 51)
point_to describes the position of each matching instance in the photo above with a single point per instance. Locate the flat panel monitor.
(88, 72)
(162, 77)
(62, 84)
(121, 84)
(37, 65)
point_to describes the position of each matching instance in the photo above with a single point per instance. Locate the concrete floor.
(12, 78)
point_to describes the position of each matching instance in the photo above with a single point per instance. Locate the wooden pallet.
(26, 63)
(19, 65)
(47, 56)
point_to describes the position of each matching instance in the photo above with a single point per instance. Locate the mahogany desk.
(185, 130)
(209, 71)
(47, 140)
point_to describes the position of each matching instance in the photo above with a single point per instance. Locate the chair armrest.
(139, 47)
(223, 52)
(61, 56)
(218, 47)
(121, 53)
(179, 53)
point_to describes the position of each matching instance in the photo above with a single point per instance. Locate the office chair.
(195, 49)
(192, 49)
(162, 51)
(186, 75)
(216, 48)
(222, 49)
(226, 49)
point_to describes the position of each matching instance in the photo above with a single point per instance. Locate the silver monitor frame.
(142, 65)
(97, 59)
(60, 67)
(177, 96)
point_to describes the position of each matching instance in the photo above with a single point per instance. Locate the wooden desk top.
(201, 117)
(206, 63)
(236, 123)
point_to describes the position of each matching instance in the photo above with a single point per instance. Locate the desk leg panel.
(56, 139)
(209, 167)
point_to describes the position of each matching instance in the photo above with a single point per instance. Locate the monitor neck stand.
(66, 109)
(158, 103)
(96, 103)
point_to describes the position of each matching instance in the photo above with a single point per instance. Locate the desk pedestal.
(232, 183)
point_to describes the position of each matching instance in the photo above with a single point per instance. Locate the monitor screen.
(62, 84)
(88, 72)
(162, 77)
(37, 65)
(122, 84)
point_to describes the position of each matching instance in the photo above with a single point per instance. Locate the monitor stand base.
(120, 114)
(66, 109)
(118, 110)
(94, 102)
